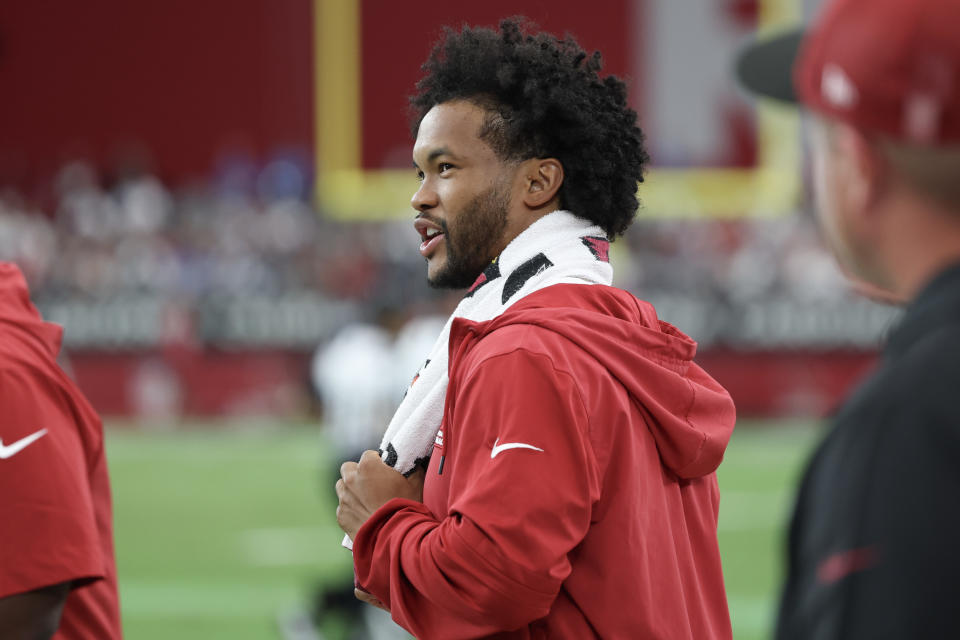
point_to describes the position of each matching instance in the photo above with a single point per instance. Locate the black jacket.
(874, 545)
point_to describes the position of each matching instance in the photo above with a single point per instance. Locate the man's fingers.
(348, 469)
(347, 516)
(344, 494)
(369, 599)
(351, 513)
(370, 457)
(347, 498)
(346, 520)
(367, 485)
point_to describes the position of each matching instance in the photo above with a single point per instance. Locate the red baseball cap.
(884, 66)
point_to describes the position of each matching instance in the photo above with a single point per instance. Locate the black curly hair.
(546, 99)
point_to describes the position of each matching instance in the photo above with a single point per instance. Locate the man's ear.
(864, 170)
(542, 180)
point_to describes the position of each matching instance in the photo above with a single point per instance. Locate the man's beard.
(473, 239)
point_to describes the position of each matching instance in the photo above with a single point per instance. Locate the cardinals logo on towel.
(599, 247)
(491, 273)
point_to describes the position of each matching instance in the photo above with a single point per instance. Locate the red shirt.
(571, 492)
(55, 512)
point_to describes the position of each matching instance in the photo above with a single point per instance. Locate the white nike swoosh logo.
(20, 445)
(497, 448)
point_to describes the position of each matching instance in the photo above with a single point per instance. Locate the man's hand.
(366, 486)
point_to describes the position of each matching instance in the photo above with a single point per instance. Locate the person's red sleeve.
(497, 560)
(48, 531)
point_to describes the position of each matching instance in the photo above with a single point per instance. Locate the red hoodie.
(571, 492)
(55, 514)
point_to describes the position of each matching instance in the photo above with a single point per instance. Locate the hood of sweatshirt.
(17, 314)
(689, 414)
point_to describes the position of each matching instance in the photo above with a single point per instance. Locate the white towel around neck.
(557, 248)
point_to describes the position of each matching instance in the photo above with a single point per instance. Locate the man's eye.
(420, 176)
(443, 166)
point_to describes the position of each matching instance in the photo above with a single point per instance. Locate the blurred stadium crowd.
(244, 260)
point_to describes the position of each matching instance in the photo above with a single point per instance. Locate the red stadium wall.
(763, 384)
(208, 383)
(184, 80)
(396, 40)
(787, 383)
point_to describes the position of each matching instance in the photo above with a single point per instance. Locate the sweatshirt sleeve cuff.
(365, 551)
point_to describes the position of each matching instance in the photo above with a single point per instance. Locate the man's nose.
(425, 198)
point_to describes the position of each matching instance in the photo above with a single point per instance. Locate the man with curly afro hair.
(550, 472)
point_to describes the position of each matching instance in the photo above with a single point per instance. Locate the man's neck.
(924, 242)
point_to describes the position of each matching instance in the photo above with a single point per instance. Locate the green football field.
(220, 529)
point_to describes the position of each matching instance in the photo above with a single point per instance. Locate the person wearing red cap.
(57, 570)
(873, 541)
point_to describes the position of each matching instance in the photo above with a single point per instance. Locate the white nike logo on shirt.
(497, 448)
(20, 445)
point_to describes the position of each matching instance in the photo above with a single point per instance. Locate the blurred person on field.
(57, 569)
(551, 469)
(873, 542)
(354, 375)
(357, 378)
